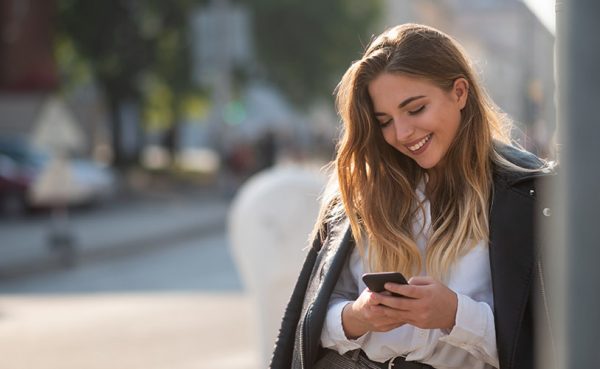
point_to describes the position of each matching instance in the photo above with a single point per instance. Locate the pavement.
(127, 224)
(157, 329)
(128, 331)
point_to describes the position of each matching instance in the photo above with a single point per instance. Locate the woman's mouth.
(419, 146)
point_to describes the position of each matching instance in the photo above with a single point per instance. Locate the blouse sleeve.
(345, 292)
(474, 330)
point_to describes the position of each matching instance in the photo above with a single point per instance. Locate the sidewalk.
(153, 329)
(114, 229)
(129, 331)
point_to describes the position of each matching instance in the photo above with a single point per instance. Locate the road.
(178, 305)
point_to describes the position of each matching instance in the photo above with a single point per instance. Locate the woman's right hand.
(366, 315)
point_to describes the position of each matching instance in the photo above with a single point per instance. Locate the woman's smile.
(417, 147)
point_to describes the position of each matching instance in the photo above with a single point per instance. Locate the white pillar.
(269, 225)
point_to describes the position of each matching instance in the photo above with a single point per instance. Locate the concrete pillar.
(573, 256)
(269, 225)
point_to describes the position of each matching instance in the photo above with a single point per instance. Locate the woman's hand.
(426, 303)
(366, 314)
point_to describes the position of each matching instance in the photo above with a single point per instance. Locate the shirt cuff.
(474, 330)
(471, 323)
(333, 335)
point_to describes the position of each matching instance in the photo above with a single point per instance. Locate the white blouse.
(470, 344)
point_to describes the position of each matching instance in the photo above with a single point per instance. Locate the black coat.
(513, 260)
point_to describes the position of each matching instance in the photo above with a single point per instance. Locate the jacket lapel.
(511, 260)
(324, 279)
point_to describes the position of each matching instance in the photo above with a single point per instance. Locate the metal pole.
(574, 252)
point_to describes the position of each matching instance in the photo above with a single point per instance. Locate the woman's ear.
(461, 92)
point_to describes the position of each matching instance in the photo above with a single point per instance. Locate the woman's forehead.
(388, 86)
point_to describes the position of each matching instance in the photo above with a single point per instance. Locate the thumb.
(420, 281)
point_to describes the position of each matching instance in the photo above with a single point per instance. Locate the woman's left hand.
(425, 303)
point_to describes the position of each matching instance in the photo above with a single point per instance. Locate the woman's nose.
(403, 131)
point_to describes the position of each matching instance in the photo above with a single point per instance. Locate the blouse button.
(532, 192)
(547, 212)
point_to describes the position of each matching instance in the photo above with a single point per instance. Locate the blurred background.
(160, 162)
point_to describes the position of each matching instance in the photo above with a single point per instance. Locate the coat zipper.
(302, 346)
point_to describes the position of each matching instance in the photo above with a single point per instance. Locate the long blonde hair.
(375, 185)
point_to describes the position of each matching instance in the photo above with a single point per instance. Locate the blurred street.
(148, 220)
(154, 287)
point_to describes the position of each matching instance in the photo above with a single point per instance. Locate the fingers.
(397, 303)
(379, 319)
(421, 281)
(406, 290)
(414, 289)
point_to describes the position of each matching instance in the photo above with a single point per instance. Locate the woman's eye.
(385, 124)
(416, 111)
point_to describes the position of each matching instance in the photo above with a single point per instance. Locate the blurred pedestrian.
(267, 150)
(428, 184)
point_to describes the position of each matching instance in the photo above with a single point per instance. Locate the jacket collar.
(533, 166)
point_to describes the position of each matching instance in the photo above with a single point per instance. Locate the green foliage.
(305, 45)
(137, 50)
(123, 40)
(163, 106)
(157, 109)
(140, 50)
(104, 33)
(71, 64)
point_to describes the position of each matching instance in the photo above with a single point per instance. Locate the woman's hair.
(374, 184)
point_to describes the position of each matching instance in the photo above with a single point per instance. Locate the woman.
(426, 184)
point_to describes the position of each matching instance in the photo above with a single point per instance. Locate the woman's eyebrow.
(403, 103)
(409, 100)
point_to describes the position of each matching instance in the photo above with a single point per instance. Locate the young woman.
(427, 184)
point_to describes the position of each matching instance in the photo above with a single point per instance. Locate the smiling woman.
(427, 184)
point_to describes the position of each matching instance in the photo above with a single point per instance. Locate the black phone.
(377, 281)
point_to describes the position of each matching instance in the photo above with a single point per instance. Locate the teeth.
(419, 144)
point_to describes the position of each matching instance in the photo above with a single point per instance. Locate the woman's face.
(416, 117)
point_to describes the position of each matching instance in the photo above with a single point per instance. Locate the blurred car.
(21, 165)
(13, 187)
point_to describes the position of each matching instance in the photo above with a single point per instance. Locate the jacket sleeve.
(284, 345)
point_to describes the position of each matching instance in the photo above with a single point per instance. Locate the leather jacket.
(513, 260)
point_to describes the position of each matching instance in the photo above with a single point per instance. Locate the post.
(574, 252)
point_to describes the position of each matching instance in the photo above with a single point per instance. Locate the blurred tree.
(128, 43)
(305, 46)
(139, 51)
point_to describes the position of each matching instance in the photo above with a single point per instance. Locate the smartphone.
(377, 281)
